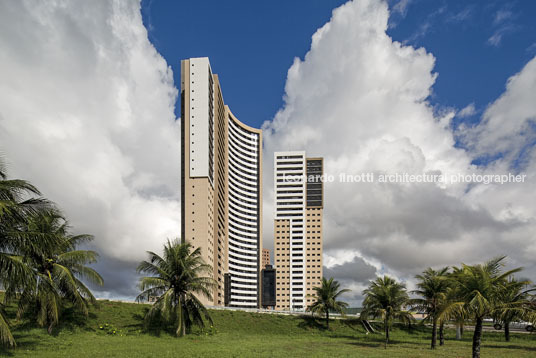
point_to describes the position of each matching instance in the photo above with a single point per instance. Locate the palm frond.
(176, 280)
(6, 338)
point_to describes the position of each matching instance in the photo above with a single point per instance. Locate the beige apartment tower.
(265, 258)
(221, 164)
(297, 229)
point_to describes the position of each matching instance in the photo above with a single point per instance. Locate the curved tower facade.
(244, 213)
(221, 187)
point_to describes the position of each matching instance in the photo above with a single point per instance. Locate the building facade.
(265, 258)
(268, 287)
(221, 187)
(297, 228)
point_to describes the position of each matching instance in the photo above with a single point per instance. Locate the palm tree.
(17, 201)
(514, 298)
(432, 287)
(326, 299)
(385, 298)
(39, 263)
(459, 320)
(478, 290)
(176, 279)
(49, 250)
(450, 310)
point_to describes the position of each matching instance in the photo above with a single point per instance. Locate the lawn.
(115, 329)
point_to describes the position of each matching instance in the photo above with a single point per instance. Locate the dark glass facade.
(315, 170)
(268, 286)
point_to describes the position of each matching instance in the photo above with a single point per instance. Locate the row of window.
(300, 254)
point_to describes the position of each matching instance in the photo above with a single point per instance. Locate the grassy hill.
(115, 329)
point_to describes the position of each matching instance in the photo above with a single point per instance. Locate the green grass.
(240, 334)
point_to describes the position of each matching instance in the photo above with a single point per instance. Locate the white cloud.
(504, 25)
(462, 15)
(508, 124)
(426, 26)
(359, 99)
(502, 15)
(531, 49)
(497, 37)
(402, 7)
(467, 111)
(86, 114)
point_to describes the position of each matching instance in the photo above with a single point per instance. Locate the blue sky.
(478, 45)
(251, 45)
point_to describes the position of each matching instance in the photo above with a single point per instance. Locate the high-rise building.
(268, 287)
(265, 258)
(297, 228)
(221, 187)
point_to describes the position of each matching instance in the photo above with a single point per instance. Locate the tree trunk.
(507, 331)
(442, 334)
(434, 334)
(386, 331)
(458, 331)
(477, 338)
(327, 319)
(181, 329)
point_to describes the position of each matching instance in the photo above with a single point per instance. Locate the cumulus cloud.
(508, 125)
(360, 100)
(353, 274)
(355, 270)
(87, 115)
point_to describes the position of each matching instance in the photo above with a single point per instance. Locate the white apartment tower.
(297, 228)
